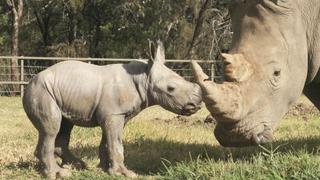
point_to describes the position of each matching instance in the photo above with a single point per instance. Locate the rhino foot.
(122, 171)
(58, 173)
(76, 163)
(63, 173)
(103, 165)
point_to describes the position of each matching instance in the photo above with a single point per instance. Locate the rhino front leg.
(103, 153)
(62, 146)
(112, 128)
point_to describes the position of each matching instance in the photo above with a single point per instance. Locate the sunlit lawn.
(160, 146)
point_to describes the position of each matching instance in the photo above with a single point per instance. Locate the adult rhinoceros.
(76, 93)
(275, 56)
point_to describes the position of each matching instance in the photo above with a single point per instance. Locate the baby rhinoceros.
(76, 93)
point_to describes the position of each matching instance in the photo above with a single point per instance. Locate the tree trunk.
(197, 28)
(72, 27)
(94, 50)
(43, 21)
(17, 11)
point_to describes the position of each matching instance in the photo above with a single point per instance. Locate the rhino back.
(311, 14)
(82, 90)
(76, 87)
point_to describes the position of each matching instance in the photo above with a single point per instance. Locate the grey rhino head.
(266, 71)
(168, 89)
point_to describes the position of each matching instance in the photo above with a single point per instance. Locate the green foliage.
(264, 165)
(5, 28)
(116, 28)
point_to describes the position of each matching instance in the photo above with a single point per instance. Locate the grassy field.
(160, 145)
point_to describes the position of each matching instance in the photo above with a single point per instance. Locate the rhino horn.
(220, 99)
(209, 88)
(199, 75)
(237, 68)
(201, 78)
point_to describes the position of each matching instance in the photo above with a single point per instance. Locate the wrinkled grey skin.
(76, 93)
(275, 56)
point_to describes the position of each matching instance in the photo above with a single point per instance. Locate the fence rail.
(30, 66)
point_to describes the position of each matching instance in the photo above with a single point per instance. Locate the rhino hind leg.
(62, 146)
(45, 149)
(45, 115)
(312, 92)
(111, 142)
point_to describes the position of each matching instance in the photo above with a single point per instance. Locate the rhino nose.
(190, 104)
(189, 109)
(263, 137)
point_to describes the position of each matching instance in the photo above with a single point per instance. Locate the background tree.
(191, 29)
(16, 10)
(119, 28)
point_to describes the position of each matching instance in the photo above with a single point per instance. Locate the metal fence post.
(21, 77)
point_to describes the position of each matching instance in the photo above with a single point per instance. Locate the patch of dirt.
(187, 120)
(302, 110)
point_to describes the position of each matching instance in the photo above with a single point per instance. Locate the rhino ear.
(159, 56)
(237, 68)
(151, 50)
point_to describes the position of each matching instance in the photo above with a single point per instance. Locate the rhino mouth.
(190, 109)
(232, 138)
(263, 137)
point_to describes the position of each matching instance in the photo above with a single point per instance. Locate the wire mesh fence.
(14, 84)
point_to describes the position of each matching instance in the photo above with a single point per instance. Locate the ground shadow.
(147, 155)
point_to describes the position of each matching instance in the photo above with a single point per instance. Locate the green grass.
(160, 146)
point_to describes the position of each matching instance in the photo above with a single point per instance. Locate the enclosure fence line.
(27, 67)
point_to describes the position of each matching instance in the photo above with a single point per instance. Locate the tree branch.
(9, 2)
(169, 27)
(12, 6)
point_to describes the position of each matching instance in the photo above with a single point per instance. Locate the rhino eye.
(277, 73)
(276, 78)
(170, 89)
